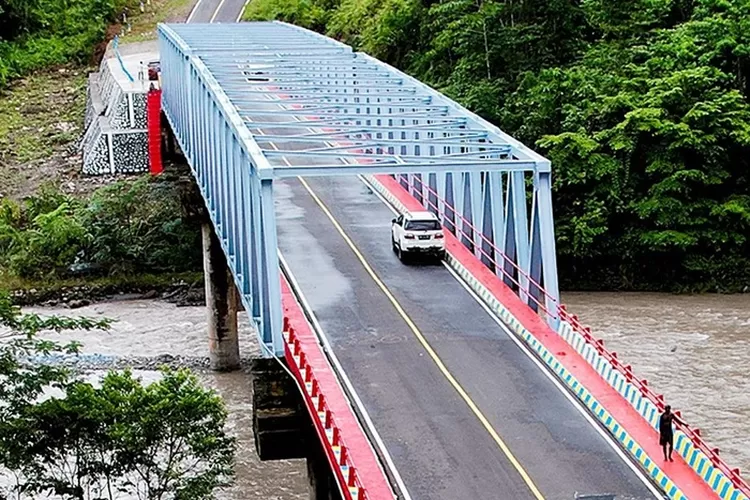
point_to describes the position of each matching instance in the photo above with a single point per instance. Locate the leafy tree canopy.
(642, 106)
(64, 436)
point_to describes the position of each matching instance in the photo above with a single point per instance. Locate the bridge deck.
(437, 443)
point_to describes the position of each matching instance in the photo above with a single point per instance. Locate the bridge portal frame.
(338, 112)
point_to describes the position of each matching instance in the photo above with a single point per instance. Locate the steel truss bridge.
(300, 147)
(271, 101)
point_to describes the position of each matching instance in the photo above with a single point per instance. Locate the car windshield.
(422, 225)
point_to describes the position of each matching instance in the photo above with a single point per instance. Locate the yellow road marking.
(422, 340)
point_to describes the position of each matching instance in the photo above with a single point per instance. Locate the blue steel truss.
(253, 102)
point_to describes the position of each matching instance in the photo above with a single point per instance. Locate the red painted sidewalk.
(678, 471)
(360, 453)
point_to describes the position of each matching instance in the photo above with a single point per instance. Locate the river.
(694, 349)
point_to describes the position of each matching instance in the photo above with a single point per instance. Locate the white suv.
(417, 232)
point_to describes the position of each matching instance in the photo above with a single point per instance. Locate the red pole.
(153, 120)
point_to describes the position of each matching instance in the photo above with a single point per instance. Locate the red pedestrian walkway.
(686, 479)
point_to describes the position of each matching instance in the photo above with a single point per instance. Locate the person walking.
(666, 433)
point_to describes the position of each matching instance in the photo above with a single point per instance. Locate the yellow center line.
(422, 340)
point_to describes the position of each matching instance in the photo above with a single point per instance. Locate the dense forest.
(642, 106)
(35, 34)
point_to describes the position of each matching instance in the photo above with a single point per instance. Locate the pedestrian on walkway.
(666, 434)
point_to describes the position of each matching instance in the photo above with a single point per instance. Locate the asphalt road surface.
(437, 442)
(216, 11)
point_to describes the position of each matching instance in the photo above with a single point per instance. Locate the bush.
(127, 227)
(41, 33)
(137, 226)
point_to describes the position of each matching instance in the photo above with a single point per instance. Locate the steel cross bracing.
(253, 102)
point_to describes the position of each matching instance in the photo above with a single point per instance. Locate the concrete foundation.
(221, 304)
(283, 429)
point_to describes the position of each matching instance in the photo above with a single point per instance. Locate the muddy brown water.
(693, 349)
(151, 328)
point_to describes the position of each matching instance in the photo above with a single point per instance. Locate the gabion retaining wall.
(116, 140)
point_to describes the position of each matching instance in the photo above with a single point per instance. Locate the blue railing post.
(116, 48)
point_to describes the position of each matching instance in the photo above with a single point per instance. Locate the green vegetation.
(642, 106)
(129, 227)
(39, 113)
(40, 33)
(62, 435)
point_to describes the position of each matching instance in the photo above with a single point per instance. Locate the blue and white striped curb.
(562, 373)
(698, 460)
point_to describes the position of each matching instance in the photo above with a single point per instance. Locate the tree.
(23, 381)
(165, 440)
(643, 106)
(62, 435)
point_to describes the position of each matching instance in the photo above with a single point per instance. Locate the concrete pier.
(283, 429)
(221, 304)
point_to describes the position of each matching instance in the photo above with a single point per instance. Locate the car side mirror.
(393, 221)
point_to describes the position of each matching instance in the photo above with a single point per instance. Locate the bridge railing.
(116, 48)
(536, 297)
(513, 275)
(694, 434)
(346, 471)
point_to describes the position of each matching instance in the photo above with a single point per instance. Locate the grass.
(40, 114)
(143, 25)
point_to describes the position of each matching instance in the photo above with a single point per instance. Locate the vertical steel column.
(212, 164)
(459, 190)
(476, 206)
(272, 312)
(432, 199)
(485, 224)
(521, 230)
(257, 243)
(190, 98)
(441, 185)
(224, 184)
(547, 241)
(449, 196)
(495, 182)
(243, 226)
(232, 205)
(535, 255)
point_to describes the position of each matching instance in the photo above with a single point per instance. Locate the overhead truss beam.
(251, 103)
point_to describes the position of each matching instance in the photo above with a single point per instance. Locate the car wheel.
(401, 255)
(441, 255)
(393, 245)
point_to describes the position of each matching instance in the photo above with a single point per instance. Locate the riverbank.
(182, 289)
